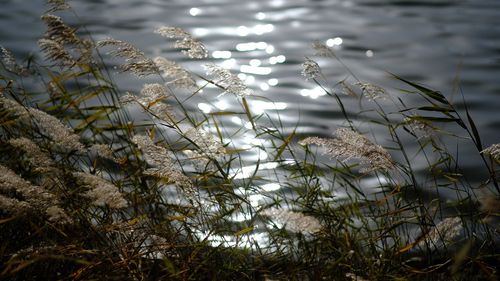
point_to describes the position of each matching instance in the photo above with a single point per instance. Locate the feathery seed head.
(136, 60)
(55, 52)
(35, 196)
(13, 206)
(350, 144)
(228, 81)
(193, 48)
(49, 125)
(10, 63)
(39, 159)
(60, 133)
(311, 69)
(160, 158)
(323, 50)
(179, 77)
(444, 232)
(293, 221)
(57, 215)
(58, 31)
(493, 151)
(207, 144)
(101, 192)
(152, 93)
(103, 151)
(372, 91)
(57, 5)
(172, 32)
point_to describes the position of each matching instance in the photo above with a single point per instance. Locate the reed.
(90, 191)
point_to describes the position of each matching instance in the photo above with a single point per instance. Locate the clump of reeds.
(86, 193)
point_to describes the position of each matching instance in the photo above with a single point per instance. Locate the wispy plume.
(349, 144)
(420, 128)
(152, 93)
(101, 192)
(9, 61)
(152, 99)
(38, 159)
(310, 69)
(55, 52)
(293, 221)
(323, 50)
(493, 151)
(191, 46)
(228, 81)
(372, 91)
(58, 31)
(57, 215)
(135, 60)
(208, 146)
(57, 5)
(161, 159)
(13, 205)
(62, 45)
(62, 135)
(178, 76)
(443, 233)
(34, 198)
(103, 151)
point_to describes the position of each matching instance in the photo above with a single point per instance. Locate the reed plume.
(293, 221)
(57, 5)
(442, 233)
(191, 46)
(62, 135)
(372, 91)
(161, 160)
(100, 191)
(34, 198)
(135, 60)
(226, 80)
(349, 144)
(310, 69)
(178, 76)
(493, 151)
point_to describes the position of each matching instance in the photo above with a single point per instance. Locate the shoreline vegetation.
(98, 184)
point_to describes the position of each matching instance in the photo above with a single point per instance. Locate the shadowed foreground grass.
(101, 184)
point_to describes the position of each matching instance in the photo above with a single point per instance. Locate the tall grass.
(100, 184)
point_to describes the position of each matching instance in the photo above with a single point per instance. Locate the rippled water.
(431, 42)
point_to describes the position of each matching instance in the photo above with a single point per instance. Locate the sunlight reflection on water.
(267, 41)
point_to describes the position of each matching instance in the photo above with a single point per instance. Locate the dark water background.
(430, 42)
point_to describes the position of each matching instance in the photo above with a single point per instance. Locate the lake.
(433, 42)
